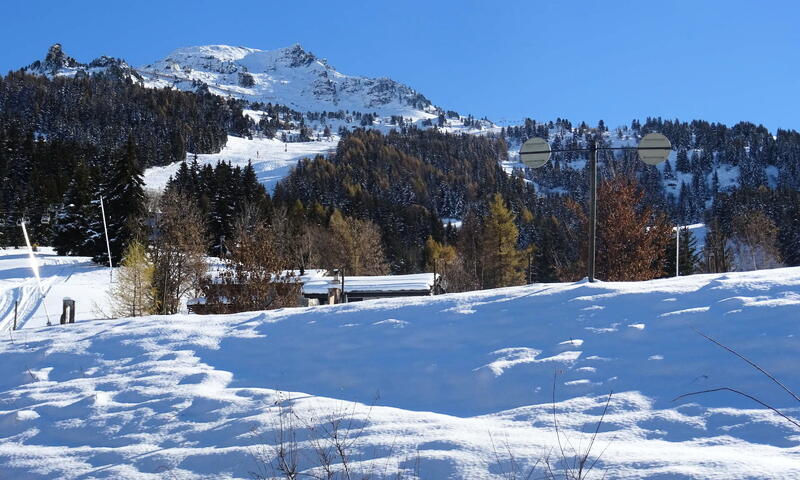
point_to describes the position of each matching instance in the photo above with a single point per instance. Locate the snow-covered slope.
(271, 159)
(445, 387)
(74, 277)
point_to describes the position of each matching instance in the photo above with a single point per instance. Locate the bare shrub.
(320, 447)
(771, 377)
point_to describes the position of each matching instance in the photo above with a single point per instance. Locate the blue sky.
(615, 60)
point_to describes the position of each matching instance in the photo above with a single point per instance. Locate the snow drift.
(438, 387)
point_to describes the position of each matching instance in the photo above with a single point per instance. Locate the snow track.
(74, 277)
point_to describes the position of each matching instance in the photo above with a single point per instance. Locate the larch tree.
(503, 264)
(133, 294)
(356, 246)
(442, 259)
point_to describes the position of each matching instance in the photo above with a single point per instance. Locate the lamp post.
(653, 149)
(678, 251)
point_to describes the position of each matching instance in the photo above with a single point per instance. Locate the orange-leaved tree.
(631, 237)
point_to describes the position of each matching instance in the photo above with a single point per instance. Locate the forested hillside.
(709, 158)
(48, 126)
(409, 179)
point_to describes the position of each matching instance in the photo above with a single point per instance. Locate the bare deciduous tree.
(179, 247)
(754, 241)
(257, 276)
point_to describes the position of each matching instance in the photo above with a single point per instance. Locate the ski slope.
(74, 277)
(453, 386)
(272, 159)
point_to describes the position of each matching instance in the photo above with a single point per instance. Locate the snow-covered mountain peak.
(226, 59)
(289, 76)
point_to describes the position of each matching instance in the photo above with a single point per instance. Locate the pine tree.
(682, 161)
(668, 175)
(124, 203)
(73, 224)
(503, 264)
(789, 223)
(717, 256)
(546, 259)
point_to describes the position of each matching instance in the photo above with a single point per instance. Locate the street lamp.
(653, 149)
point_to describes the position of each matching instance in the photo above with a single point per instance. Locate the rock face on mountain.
(289, 76)
(56, 63)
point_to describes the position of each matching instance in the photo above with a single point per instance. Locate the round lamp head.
(535, 152)
(654, 148)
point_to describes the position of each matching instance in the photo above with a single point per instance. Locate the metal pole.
(677, 251)
(434, 276)
(108, 243)
(16, 303)
(592, 208)
(530, 268)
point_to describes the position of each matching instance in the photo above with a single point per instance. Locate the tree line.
(324, 216)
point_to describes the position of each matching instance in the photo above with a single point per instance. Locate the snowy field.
(272, 159)
(452, 386)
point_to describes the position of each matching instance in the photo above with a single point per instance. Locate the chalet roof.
(419, 282)
(217, 269)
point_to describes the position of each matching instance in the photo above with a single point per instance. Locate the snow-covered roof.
(372, 284)
(217, 268)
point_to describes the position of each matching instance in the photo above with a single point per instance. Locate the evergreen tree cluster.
(61, 139)
(222, 193)
(99, 112)
(80, 228)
